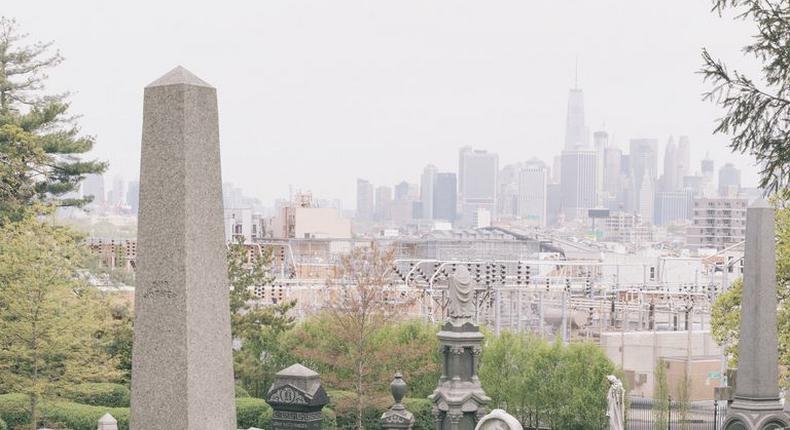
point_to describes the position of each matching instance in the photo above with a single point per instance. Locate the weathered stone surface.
(107, 422)
(459, 401)
(182, 374)
(397, 416)
(296, 397)
(499, 420)
(756, 404)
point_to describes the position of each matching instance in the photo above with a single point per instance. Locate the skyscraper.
(578, 182)
(611, 170)
(508, 193)
(729, 180)
(427, 185)
(683, 160)
(364, 200)
(643, 161)
(133, 195)
(600, 142)
(93, 185)
(670, 177)
(532, 202)
(383, 203)
(444, 197)
(575, 128)
(478, 183)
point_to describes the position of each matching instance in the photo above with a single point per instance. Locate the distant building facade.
(717, 222)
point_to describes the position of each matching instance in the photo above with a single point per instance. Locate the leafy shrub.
(3, 425)
(248, 411)
(98, 394)
(15, 409)
(241, 392)
(423, 413)
(74, 416)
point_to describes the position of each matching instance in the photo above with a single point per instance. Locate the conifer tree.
(41, 145)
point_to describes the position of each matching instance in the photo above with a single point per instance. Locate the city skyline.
(379, 99)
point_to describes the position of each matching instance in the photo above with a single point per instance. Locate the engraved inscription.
(159, 289)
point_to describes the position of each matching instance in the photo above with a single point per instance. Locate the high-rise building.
(600, 142)
(133, 195)
(93, 185)
(578, 182)
(729, 180)
(508, 193)
(478, 183)
(683, 159)
(669, 178)
(643, 160)
(575, 128)
(673, 206)
(427, 185)
(532, 186)
(402, 191)
(717, 223)
(365, 202)
(383, 203)
(444, 197)
(553, 203)
(611, 170)
(118, 191)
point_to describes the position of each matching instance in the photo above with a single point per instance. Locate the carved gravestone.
(397, 417)
(458, 400)
(107, 422)
(498, 420)
(296, 398)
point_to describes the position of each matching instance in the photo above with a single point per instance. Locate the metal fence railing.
(648, 414)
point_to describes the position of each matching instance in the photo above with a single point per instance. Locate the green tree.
(660, 394)
(726, 312)
(51, 322)
(256, 326)
(40, 142)
(542, 383)
(349, 341)
(757, 110)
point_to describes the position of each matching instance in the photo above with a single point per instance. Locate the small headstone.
(397, 417)
(296, 398)
(499, 420)
(107, 422)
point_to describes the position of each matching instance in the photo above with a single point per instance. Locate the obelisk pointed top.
(179, 76)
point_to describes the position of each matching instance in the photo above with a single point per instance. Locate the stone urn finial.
(398, 388)
(397, 417)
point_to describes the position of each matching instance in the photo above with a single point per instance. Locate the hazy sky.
(314, 94)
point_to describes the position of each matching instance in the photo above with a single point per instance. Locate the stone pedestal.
(756, 402)
(459, 401)
(182, 367)
(296, 398)
(397, 417)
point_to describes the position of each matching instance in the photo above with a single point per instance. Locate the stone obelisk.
(756, 404)
(182, 369)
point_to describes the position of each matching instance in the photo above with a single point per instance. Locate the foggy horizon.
(316, 95)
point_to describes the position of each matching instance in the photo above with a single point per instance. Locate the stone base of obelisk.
(459, 401)
(757, 414)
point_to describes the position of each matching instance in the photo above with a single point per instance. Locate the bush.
(241, 392)
(102, 394)
(74, 416)
(3, 425)
(248, 411)
(423, 413)
(15, 409)
(328, 419)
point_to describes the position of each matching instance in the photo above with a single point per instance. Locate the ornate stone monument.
(296, 398)
(458, 401)
(182, 368)
(756, 404)
(397, 417)
(615, 399)
(499, 420)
